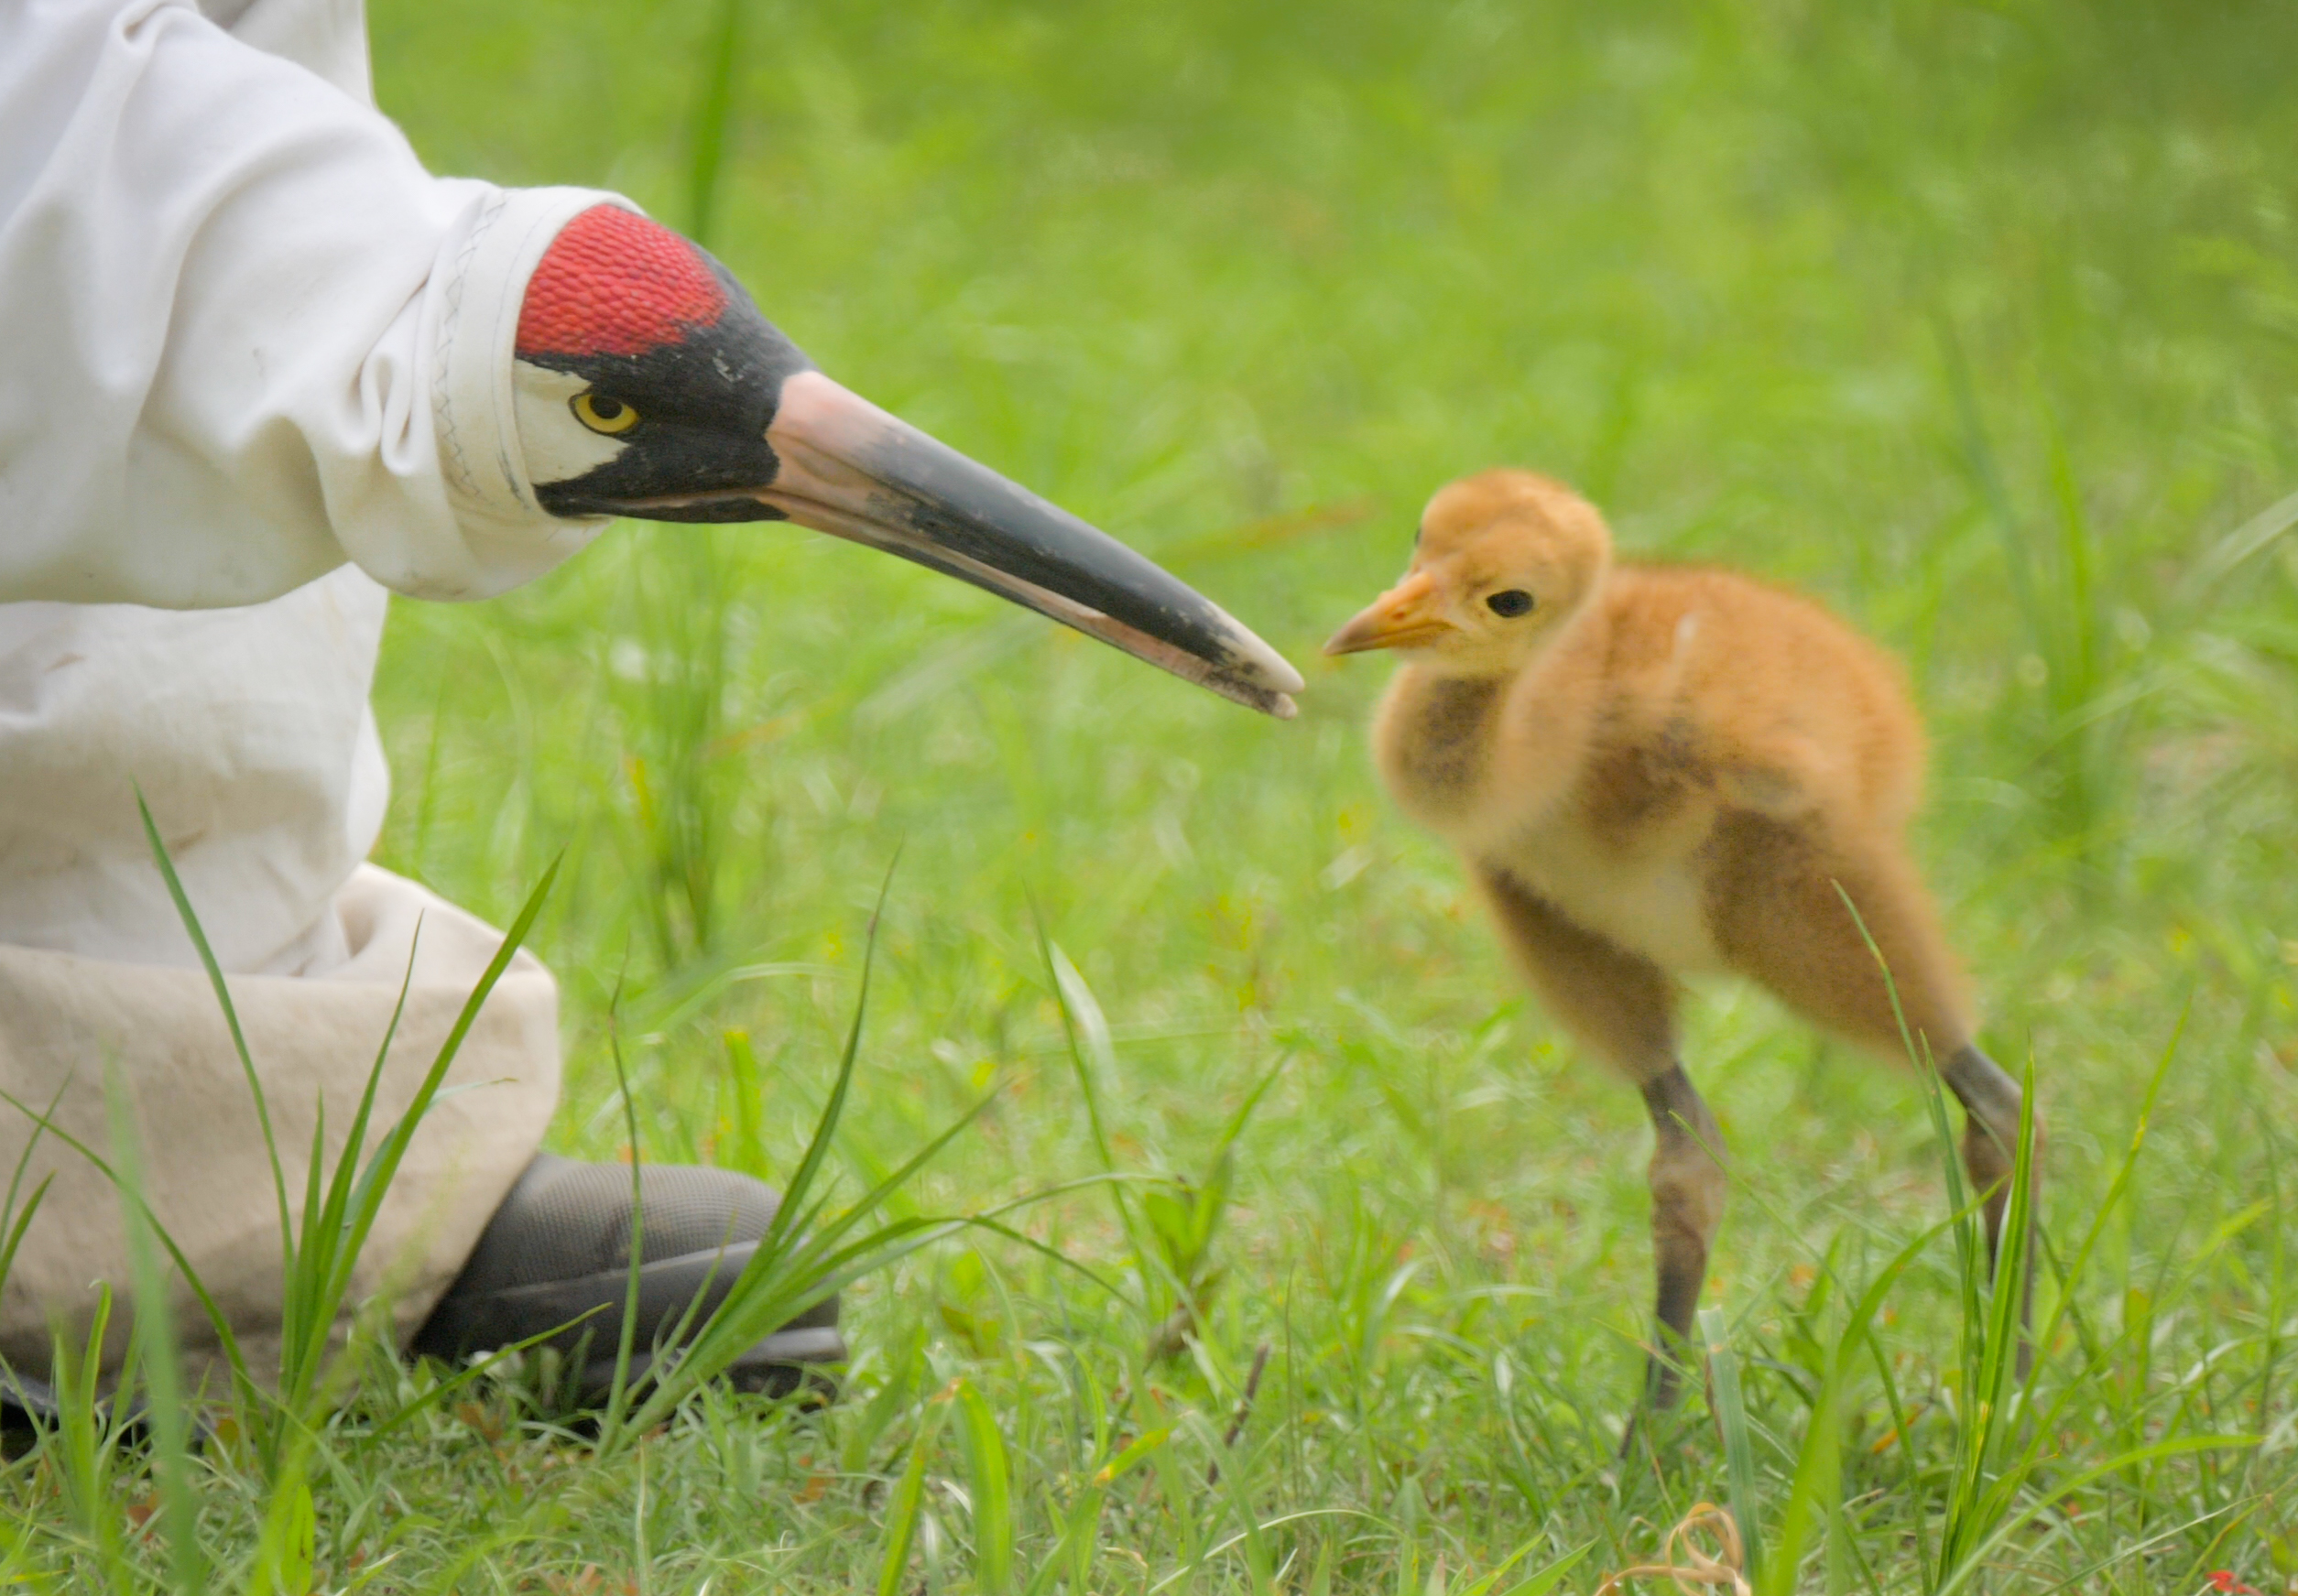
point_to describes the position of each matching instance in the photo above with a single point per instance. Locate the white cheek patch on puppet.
(558, 447)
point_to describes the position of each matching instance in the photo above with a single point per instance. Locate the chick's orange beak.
(1406, 615)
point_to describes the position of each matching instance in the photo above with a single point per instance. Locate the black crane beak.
(850, 469)
(839, 465)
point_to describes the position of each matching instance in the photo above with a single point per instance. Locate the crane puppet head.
(647, 384)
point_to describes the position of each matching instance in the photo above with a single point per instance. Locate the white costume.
(257, 366)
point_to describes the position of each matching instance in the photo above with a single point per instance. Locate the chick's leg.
(1687, 1205)
(1775, 906)
(1991, 1099)
(1622, 1006)
(1990, 1127)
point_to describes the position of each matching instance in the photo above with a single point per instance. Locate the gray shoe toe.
(556, 1258)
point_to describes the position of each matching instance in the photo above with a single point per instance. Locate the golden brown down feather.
(1653, 770)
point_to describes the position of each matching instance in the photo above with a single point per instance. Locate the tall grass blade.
(1091, 1054)
(319, 1260)
(336, 1228)
(1816, 1488)
(1544, 1581)
(618, 1394)
(231, 1018)
(746, 1083)
(160, 1365)
(1088, 1031)
(1975, 1565)
(804, 1256)
(83, 1439)
(376, 1177)
(313, 1296)
(12, 1221)
(712, 110)
(288, 1550)
(2255, 536)
(2118, 1185)
(1815, 1494)
(1731, 1420)
(907, 1506)
(817, 1153)
(989, 1473)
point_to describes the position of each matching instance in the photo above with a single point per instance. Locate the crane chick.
(1654, 771)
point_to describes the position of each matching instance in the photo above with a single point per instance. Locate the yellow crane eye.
(602, 413)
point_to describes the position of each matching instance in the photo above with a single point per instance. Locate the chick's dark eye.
(1510, 603)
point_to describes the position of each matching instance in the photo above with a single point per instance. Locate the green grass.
(1979, 321)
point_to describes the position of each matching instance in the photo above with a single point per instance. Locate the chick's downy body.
(1644, 744)
(1654, 771)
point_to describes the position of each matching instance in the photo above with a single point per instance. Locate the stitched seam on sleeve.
(451, 448)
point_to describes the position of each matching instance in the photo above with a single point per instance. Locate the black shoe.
(558, 1248)
(27, 1406)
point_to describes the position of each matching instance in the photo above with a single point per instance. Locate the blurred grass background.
(1979, 321)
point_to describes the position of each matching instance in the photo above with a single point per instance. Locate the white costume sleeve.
(248, 337)
(235, 317)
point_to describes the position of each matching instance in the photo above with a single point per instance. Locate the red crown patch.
(614, 282)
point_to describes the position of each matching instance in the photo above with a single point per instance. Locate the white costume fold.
(65, 1020)
(257, 373)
